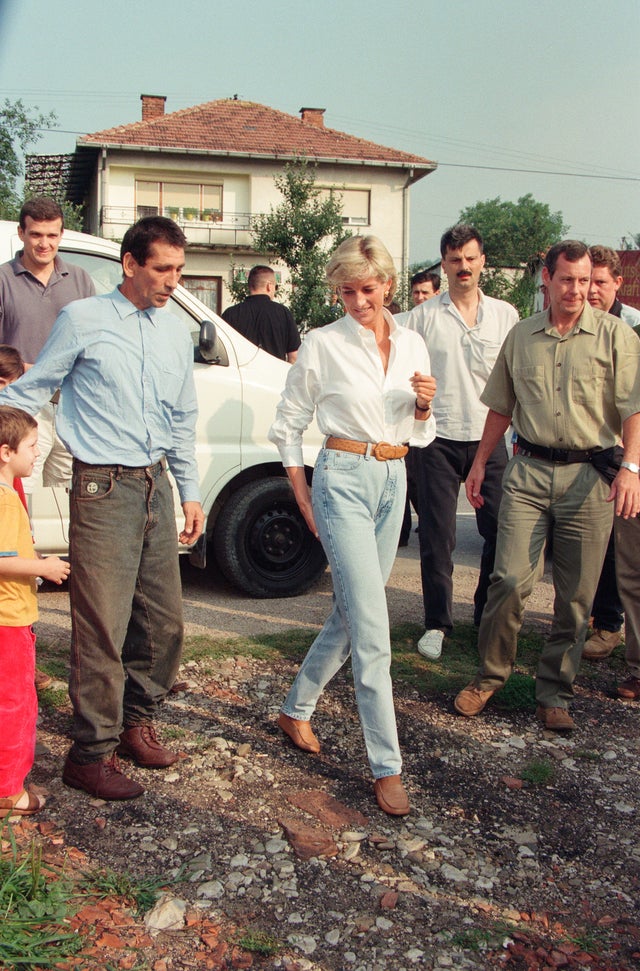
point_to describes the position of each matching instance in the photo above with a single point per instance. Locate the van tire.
(262, 543)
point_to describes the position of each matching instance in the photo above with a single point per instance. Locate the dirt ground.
(496, 866)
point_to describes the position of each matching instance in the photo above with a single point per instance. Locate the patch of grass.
(138, 892)
(538, 772)
(258, 942)
(480, 938)
(56, 667)
(592, 940)
(34, 903)
(174, 731)
(518, 694)
(455, 669)
(588, 755)
(54, 698)
(459, 663)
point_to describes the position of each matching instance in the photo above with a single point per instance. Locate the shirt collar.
(586, 321)
(362, 331)
(446, 301)
(60, 268)
(125, 308)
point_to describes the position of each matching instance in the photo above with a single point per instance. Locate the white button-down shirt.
(462, 359)
(339, 376)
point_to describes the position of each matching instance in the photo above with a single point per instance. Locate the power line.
(572, 175)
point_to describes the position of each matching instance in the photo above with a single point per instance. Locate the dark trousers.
(439, 469)
(412, 497)
(607, 607)
(126, 602)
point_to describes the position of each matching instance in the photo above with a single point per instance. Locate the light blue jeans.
(358, 504)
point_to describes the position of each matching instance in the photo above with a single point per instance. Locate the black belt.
(564, 455)
(156, 469)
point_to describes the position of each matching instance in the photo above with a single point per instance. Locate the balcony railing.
(206, 228)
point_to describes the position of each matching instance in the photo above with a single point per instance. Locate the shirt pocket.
(528, 384)
(587, 383)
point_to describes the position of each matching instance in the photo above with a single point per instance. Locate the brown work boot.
(630, 689)
(471, 700)
(103, 780)
(141, 744)
(300, 733)
(601, 644)
(391, 795)
(555, 719)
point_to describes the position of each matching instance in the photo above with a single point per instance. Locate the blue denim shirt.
(126, 382)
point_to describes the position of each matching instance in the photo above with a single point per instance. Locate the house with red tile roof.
(212, 168)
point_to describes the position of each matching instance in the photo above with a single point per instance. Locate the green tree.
(300, 232)
(19, 129)
(515, 234)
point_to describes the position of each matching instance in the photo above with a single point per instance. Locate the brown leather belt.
(381, 451)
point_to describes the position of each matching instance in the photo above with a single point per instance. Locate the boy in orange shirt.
(19, 567)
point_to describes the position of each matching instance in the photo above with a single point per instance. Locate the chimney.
(313, 116)
(152, 106)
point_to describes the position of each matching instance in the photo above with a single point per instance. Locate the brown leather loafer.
(555, 719)
(141, 744)
(630, 689)
(391, 795)
(42, 680)
(103, 780)
(471, 700)
(300, 733)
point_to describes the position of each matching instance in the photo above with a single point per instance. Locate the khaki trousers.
(568, 502)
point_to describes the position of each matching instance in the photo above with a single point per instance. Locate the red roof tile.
(233, 127)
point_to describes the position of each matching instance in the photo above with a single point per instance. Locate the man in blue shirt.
(124, 366)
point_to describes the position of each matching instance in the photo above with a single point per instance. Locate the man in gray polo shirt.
(34, 287)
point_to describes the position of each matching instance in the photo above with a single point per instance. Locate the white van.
(254, 529)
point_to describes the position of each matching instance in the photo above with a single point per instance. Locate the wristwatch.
(631, 466)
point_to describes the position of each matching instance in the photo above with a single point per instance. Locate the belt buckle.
(559, 454)
(383, 451)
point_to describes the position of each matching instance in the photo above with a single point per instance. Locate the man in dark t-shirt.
(262, 320)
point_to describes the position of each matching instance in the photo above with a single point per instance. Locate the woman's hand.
(424, 387)
(301, 491)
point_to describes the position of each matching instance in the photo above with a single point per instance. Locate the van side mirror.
(211, 349)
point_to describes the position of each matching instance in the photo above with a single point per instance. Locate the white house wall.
(248, 188)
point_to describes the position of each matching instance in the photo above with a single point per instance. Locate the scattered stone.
(389, 900)
(452, 873)
(306, 944)
(212, 890)
(328, 810)
(308, 841)
(168, 914)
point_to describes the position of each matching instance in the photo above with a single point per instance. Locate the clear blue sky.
(477, 86)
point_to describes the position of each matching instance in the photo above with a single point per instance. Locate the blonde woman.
(367, 382)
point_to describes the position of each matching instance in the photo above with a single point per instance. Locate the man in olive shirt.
(569, 381)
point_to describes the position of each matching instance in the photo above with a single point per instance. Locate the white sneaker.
(430, 644)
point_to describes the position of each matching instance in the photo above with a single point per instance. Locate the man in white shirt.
(463, 330)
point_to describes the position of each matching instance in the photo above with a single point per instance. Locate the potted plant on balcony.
(191, 214)
(173, 212)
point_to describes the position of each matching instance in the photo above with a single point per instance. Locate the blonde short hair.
(358, 258)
